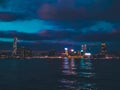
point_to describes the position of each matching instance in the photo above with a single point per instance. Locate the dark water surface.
(59, 74)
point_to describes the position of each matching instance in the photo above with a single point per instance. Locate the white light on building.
(66, 48)
(87, 54)
(81, 51)
(72, 50)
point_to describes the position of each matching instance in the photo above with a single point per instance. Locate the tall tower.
(66, 51)
(84, 48)
(14, 52)
(103, 49)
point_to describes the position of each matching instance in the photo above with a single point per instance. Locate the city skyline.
(59, 23)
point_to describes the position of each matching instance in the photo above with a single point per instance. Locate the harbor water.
(59, 74)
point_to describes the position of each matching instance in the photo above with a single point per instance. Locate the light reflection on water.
(59, 74)
(77, 75)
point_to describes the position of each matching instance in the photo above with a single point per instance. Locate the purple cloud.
(63, 9)
(8, 16)
(46, 11)
(64, 36)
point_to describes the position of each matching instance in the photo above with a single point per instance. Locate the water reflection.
(77, 75)
(86, 69)
(68, 67)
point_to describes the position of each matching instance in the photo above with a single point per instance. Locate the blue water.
(59, 74)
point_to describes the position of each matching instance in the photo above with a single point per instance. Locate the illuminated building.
(14, 46)
(24, 52)
(103, 49)
(81, 52)
(87, 55)
(72, 50)
(84, 48)
(66, 51)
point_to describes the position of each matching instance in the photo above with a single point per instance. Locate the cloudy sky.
(66, 22)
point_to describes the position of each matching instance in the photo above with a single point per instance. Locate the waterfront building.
(103, 48)
(14, 52)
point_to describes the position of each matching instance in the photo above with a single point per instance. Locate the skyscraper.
(84, 47)
(103, 48)
(14, 46)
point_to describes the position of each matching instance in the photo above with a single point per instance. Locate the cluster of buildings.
(22, 52)
(85, 54)
(17, 52)
(78, 53)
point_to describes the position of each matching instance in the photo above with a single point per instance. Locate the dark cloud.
(99, 36)
(111, 13)
(75, 21)
(47, 11)
(65, 36)
(69, 10)
(22, 36)
(8, 16)
(49, 39)
(102, 10)
(43, 35)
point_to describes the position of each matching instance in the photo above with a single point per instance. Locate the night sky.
(54, 23)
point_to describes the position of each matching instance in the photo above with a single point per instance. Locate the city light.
(87, 54)
(81, 51)
(75, 52)
(72, 50)
(66, 48)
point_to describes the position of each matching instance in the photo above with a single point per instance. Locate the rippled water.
(77, 75)
(59, 74)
